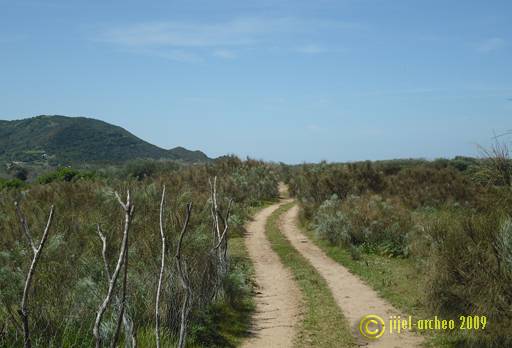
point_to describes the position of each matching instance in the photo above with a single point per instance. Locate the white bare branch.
(185, 283)
(28, 281)
(162, 265)
(225, 223)
(103, 251)
(128, 209)
(24, 227)
(215, 208)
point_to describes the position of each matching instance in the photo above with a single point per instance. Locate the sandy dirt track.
(355, 298)
(278, 296)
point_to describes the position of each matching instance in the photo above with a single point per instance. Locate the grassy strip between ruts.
(397, 280)
(323, 324)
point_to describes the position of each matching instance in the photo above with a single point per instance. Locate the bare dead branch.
(128, 209)
(225, 224)
(103, 251)
(220, 245)
(185, 308)
(24, 227)
(162, 265)
(185, 283)
(121, 201)
(28, 281)
(122, 313)
(121, 316)
(504, 134)
(215, 208)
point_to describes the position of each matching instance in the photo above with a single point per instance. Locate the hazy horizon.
(477, 153)
(290, 81)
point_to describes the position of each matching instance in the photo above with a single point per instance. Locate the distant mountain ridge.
(72, 140)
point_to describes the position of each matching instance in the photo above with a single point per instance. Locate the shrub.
(470, 272)
(61, 174)
(381, 225)
(366, 178)
(496, 166)
(331, 224)
(140, 169)
(11, 184)
(65, 174)
(429, 186)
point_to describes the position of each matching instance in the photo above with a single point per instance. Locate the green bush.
(11, 184)
(65, 174)
(470, 273)
(140, 169)
(369, 221)
(331, 224)
(430, 186)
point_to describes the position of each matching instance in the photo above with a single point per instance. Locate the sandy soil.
(278, 297)
(355, 298)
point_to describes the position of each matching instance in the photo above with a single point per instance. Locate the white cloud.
(225, 54)
(315, 128)
(223, 39)
(187, 34)
(311, 49)
(179, 55)
(491, 45)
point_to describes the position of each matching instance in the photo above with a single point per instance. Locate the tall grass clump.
(470, 273)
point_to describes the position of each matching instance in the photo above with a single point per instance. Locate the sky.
(282, 80)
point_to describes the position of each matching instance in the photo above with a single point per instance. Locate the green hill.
(77, 140)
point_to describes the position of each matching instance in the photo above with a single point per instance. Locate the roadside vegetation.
(323, 324)
(212, 288)
(433, 237)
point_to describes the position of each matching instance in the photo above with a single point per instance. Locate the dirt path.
(278, 297)
(355, 298)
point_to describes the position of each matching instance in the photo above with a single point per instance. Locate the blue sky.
(286, 80)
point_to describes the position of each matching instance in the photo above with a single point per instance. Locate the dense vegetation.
(60, 140)
(70, 280)
(450, 219)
